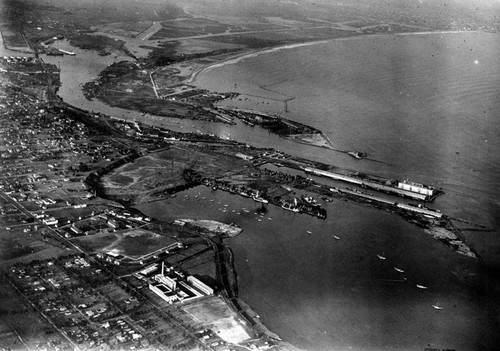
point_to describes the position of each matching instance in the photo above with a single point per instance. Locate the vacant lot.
(133, 244)
(213, 313)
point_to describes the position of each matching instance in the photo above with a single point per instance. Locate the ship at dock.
(404, 188)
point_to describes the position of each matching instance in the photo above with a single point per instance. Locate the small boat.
(357, 155)
(258, 198)
(336, 237)
(288, 207)
(437, 307)
(381, 257)
(422, 286)
(310, 201)
(397, 269)
(309, 232)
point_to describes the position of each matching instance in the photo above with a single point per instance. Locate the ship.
(381, 257)
(422, 286)
(437, 307)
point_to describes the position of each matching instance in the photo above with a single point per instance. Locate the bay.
(425, 106)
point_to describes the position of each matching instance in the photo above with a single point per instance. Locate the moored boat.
(256, 197)
(357, 155)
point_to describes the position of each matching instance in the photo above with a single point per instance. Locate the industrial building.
(172, 286)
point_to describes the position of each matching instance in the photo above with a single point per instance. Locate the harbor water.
(424, 107)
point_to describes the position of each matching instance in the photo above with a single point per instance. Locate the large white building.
(162, 291)
(198, 284)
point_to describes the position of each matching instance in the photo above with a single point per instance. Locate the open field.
(167, 169)
(133, 243)
(125, 29)
(213, 313)
(189, 27)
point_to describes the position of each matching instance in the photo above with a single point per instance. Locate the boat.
(309, 232)
(258, 198)
(310, 201)
(422, 286)
(336, 237)
(250, 123)
(71, 53)
(357, 155)
(397, 269)
(287, 206)
(381, 257)
(437, 307)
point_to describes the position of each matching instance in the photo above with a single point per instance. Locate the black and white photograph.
(246, 175)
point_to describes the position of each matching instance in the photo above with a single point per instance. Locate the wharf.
(227, 230)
